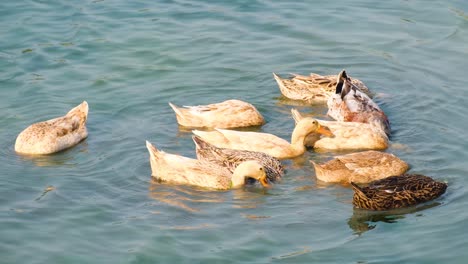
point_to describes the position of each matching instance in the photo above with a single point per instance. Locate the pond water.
(96, 202)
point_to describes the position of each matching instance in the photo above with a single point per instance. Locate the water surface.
(129, 59)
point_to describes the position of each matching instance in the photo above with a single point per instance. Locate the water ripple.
(97, 202)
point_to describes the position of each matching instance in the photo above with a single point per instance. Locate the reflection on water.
(46, 190)
(248, 197)
(185, 131)
(182, 196)
(298, 162)
(62, 158)
(189, 198)
(255, 217)
(303, 251)
(365, 220)
(184, 227)
(48, 160)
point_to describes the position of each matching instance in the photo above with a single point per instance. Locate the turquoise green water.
(129, 58)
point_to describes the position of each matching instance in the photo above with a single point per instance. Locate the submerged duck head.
(251, 169)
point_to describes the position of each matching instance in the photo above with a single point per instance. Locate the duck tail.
(153, 151)
(177, 111)
(296, 115)
(342, 86)
(277, 78)
(314, 164)
(80, 111)
(339, 82)
(280, 82)
(200, 143)
(358, 191)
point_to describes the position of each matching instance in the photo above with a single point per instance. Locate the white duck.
(347, 135)
(264, 142)
(182, 170)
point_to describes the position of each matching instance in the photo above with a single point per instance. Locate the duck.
(350, 104)
(171, 168)
(227, 114)
(314, 88)
(397, 192)
(54, 135)
(347, 135)
(231, 158)
(265, 142)
(360, 167)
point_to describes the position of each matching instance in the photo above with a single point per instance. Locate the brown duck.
(397, 192)
(360, 167)
(313, 88)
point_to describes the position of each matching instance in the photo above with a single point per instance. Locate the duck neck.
(237, 179)
(312, 138)
(297, 141)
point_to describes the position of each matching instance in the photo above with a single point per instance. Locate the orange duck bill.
(264, 182)
(324, 130)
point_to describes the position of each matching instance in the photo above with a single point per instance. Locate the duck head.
(250, 169)
(309, 125)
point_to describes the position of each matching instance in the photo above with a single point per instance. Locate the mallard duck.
(227, 114)
(55, 134)
(360, 167)
(314, 88)
(397, 192)
(349, 104)
(182, 170)
(264, 142)
(231, 158)
(347, 135)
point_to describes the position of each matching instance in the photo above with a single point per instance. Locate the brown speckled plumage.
(312, 88)
(231, 158)
(55, 134)
(360, 167)
(397, 192)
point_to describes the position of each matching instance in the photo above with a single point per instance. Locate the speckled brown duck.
(314, 88)
(55, 134)
(397, 192)
(231, 158)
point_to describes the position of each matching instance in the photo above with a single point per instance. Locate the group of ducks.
(228, 158)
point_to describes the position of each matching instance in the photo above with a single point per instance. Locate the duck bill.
(264, 182)
(324, 130)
